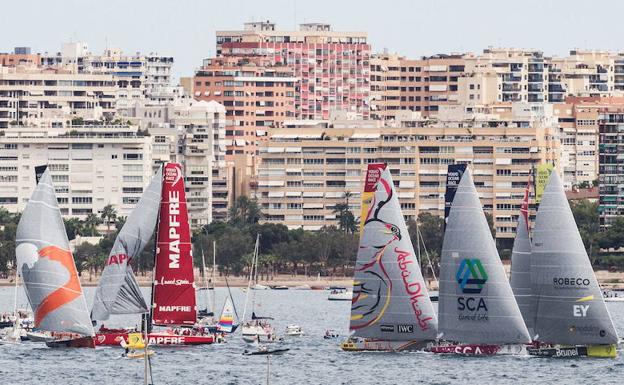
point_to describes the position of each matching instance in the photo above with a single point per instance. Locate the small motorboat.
(135, 347)
(294, 331)
(263, 351)
(331, 334)
(280, 287)
(138, 354)
(259, 287)
(613, 295)
(434, 296)
(340, 294)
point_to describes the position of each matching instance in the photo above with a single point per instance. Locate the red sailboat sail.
(174, 288)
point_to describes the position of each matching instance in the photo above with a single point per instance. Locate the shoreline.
(606, 279)
(280, 280)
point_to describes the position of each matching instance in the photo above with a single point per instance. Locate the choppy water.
(312, 360)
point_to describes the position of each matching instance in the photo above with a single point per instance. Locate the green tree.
(432, 236)
(73, 227)
(588, 223)
(244, 212)
(120, 222)
(347, 222)
(109, 214)
(90, 225)
(88, 257)
(613, 236)
(234, 244)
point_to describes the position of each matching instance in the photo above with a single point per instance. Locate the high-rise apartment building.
(579, 127)
(41, 97)
(91, 167)
(422, 85)
(611, 179)
(256, 94)
(333, 67)
(136, 77)
(308, 166)
(512, 75)
(192, 133)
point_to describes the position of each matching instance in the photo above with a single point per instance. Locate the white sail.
(390, 298)
(521, 265)
(47, 266)
(118, 291)
(476, 304)
(568, 301)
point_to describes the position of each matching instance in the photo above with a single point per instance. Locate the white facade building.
(52, 97)
(91, 167)
(136, 76)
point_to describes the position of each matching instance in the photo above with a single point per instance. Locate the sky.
(186, 29)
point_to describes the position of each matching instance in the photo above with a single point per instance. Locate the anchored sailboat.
(570, 313)
(391, 309)
(49, 271)
(258, 329)
(478, 314)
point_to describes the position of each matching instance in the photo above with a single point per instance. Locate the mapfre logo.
(173, 173)
(471, 276)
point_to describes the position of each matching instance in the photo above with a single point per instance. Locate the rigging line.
(427, 254)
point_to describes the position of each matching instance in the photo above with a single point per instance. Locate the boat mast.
(150, 315)
(207, 298)
(251, 272)
(426, 253)
(147, 375)
(214, 275)
(418, 244)
(16, 322)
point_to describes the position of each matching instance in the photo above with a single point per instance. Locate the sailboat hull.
(155, 339)
(596, 351)
(377, 345)
(79, 342)
(477, 349)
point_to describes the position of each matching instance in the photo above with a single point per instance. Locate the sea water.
(311, 359)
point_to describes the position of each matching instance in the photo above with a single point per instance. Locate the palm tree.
(73, 226)
(244, 211)
(91, 223)
(109, 214)
(346, 220)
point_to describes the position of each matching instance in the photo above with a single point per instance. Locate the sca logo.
(471, 276)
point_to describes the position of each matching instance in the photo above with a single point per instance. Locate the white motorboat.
(613, 295)
(294, 331)
(259, 287)
(340, 294)
(331, 334)
(260, 332)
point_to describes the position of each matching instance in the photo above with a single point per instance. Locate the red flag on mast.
(174, 288)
